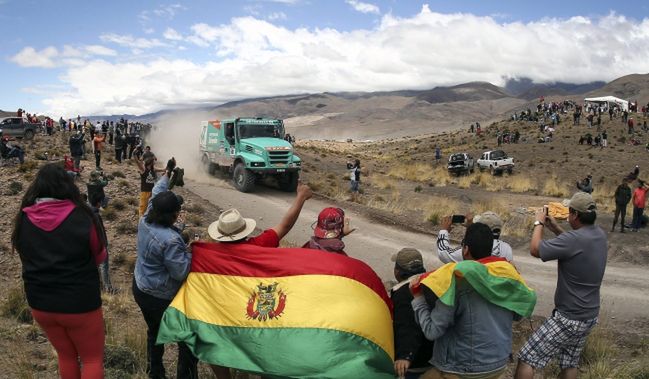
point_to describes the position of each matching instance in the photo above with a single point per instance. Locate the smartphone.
(458, 219)
(546, 210)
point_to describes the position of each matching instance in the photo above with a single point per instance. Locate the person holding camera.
(76, 148)
(355, 177)
(581, 255)
(586, 184)
(447, 253)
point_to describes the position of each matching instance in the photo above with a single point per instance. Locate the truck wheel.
(288, 182)
(472, 170)
(510, 171)
(243, 179)
(492, 171)
(29, 134)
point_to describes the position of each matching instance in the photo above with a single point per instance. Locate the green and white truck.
(249, 149)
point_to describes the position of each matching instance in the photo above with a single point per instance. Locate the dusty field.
(401, 187)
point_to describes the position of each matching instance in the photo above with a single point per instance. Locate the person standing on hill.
(639, 199)
(148, 177)
(60, 243)
(98, 145)
(120, 145)
(76, 148)
(581, 254)
(438, 154)
(355, 178)
(622, 198)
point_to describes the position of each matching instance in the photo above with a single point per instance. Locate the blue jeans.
(637, 217)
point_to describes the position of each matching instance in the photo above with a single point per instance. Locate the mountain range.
(381, 115)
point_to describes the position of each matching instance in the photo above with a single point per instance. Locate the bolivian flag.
(495, 279)
(284, 312)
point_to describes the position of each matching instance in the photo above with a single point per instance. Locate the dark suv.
(18, 127)
(460, 163)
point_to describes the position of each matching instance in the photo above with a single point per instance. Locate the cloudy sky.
(135, 57)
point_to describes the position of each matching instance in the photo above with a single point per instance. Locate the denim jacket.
(473, 336)
(163, 258)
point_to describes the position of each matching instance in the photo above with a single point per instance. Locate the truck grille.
(279, 157)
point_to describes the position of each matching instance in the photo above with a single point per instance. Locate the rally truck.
(460, 163)
(249, 149)
(496, 162)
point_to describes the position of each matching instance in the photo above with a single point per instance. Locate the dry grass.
(519, 183)
(438, 207)
(416, 172)
(554, 188)
(604, 196)
(383, 182)
(15, 306)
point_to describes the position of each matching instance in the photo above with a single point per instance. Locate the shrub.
(109, 213)
(126, 227)
(131, 200)
(194, 220)
(16, 306)
(120, 358)
(118, 174)
(15, 187)
(28, 166)
(118, 204)
(123, 183)
(196, 209)
(418, 188)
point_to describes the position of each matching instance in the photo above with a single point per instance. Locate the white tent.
(623, 104)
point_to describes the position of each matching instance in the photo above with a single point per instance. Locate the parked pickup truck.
(460, 163)
(18, 127)
(496, 162)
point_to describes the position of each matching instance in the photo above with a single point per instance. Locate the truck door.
(229, 138)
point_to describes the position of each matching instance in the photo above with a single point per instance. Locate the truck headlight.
(258, 164)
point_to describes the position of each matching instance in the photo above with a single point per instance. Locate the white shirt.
(448, 254)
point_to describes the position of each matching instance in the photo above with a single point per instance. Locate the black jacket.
(409, 340)
(622, 194)
(76, 145)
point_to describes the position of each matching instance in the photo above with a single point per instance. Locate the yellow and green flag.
(296, 313)
(495, 279)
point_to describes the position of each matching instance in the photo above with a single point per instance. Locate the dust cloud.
(177, 135)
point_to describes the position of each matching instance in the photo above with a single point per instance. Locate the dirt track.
(623, 293)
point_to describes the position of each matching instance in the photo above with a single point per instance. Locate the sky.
(69, 57)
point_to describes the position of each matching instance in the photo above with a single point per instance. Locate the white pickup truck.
(496, 162)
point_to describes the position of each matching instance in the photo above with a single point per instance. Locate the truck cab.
(249, 149)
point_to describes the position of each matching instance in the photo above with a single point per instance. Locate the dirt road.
(624, 292)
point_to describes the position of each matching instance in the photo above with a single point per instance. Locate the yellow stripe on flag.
(505, 270)
(439, 281)
(312, 301)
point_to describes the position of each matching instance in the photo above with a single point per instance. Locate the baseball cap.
(167, 202)
(490, 219)
(408, 258)
(582, 202)
(330, 223)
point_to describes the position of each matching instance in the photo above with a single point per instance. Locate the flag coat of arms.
(286, 312)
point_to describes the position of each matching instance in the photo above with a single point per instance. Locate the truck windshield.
(498, 154)
(255, 131)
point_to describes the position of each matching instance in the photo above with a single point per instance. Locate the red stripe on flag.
(253, 261)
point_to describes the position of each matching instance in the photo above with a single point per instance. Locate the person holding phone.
(447, 253)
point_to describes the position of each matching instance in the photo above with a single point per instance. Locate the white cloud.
(277, 16)
(30, 57)
(172, 34)
(255, 58)
(51, 57)
(363, 7)
(128, 40)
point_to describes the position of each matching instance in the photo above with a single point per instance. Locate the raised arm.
(303, 194)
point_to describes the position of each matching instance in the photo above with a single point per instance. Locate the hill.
(631, 87)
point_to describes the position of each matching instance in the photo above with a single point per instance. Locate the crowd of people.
(63, 246)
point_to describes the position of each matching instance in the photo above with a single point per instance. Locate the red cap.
(330, 223)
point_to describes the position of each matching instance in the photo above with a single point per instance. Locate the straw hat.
(231, 226)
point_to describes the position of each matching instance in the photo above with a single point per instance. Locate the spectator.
(639, 199)
(329, 230)
(120, 145)
(148, 177)
(634, 174)
(622, 198)
(231, 227)
(96, 188)
(586, 184)
(473, 337)
(163, 263)
(604, 139)
(60, 244)
(111, 132)
(412, 349)
(8, 151)
(76, 148)
(95, 200)
(355, 177)
(581, 254)
(438, 154)
(98, 145)
(148, 154)
(131, 141)
(448, 254)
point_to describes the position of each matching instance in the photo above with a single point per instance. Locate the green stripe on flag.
(289, 352)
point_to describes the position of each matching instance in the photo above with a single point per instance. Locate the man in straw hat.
(446, 253)
(581, 254)
(232, 227)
